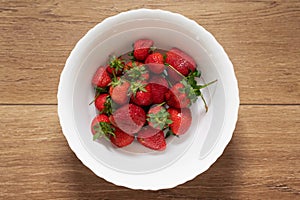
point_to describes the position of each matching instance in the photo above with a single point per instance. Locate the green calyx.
(107, 106)
(116, 63)
(136, 72)
(103, 129)
(192, 89)
(98, 91)
(160, 119)
(137, 86)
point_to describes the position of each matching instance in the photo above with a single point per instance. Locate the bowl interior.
(117, 39)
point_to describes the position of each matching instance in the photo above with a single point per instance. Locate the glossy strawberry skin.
(182, 119)
(121, 139)
(113, 70)
(176, 98)
(119, 93)
(155, 63)
(182, 62)
(101, 78)
(152, 138)
(97, 119)
(159, 87)
(129, 118)
(100, 102)
(142, 98)
(173, 76)
(141, 49)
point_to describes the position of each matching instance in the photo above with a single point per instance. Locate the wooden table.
(262, 38)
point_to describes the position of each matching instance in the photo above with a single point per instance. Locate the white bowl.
(134, 166)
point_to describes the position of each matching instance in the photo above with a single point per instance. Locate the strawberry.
(101, 78)
(119, 91)
(141, 49)
(101, 126)
(173, 76)
(103, 103)
(182, 119)
(159, 86)
(142, 95)
(185, 92)
(152, 138)
(121, 139)
(131, 64)
(177, 97)
(129, 118)
(115, 66)
(182, 62)
(137, 71)
(155, 63)
(158, 117)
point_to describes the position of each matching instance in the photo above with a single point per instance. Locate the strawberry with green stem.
(103, 103)
(181, 120)
(158, 117)
(141, 93)
(101, 127)
(115, 65)
(137, 71)
(119, 90)
(182, 94)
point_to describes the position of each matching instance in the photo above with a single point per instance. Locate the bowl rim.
(112, 176)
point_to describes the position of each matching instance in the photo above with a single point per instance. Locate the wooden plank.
(261, 38)
(261, 162)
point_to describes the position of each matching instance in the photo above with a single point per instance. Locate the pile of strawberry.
(146, 97)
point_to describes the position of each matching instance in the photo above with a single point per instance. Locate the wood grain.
(261, 162)
(261, 38)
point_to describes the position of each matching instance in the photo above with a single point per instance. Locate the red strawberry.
(131, 64)
(103, 103)
(137, 71)
(155, 63)
(152, 138)
(101, 78)
(182, 119)
(120, 138)
(177, 97)
(115, 66)
(173, 76)
(141, 49)
(119, 91)
(142, 95)
(159, 87)
(129, 118)
(101, 126)
(182, 62)
(158, 117)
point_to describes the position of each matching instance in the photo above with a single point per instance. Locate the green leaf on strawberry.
(137, 86)
(103, 129)
(158, 117)
(136, 72)
(116, 63)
